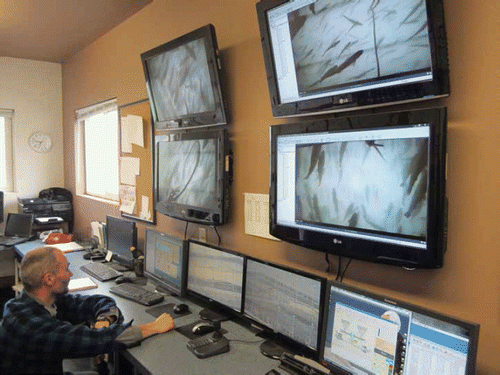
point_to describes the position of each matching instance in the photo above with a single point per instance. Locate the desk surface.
(167, 351)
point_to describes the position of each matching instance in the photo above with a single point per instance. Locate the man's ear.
(48, 279)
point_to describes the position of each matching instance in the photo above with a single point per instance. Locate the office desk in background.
(167, 353)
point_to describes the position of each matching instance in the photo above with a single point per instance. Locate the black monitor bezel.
(209, 118)
(358, 248)
(471, 327)
(438, 87)
(279, 337)
(160, 281)
(212, 304)
(216, 215)
(120, 258)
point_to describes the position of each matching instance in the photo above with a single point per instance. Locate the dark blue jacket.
(32, 341)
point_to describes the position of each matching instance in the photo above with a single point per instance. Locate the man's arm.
(162, 324)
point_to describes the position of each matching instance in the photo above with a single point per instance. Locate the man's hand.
(101, 324)
(162, 324)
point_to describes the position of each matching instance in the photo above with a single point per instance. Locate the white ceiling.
(51, 30)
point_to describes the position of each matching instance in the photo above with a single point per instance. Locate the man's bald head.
(36, 264)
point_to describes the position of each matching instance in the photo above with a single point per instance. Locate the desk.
(167, 353)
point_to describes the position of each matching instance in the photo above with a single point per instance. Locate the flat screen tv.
(183, 83)
(192, 175)
(365, 187)
(326, 56)
(365, 333)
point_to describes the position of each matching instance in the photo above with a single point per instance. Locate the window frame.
(8, 116)
(80, 165)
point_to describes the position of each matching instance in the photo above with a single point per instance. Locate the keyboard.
(100, 271)
(137, 294)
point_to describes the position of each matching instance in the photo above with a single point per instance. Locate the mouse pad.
(187, 330)
(166, 308)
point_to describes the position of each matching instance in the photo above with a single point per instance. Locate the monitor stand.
(213, 316)
(271, 349)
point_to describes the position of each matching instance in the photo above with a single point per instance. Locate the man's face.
(62, 275)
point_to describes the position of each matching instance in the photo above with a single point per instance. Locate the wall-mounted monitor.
(366, 187)
(325, 56)
(121, 236)
(183, 83)
(287, 303)
(216, 276)
(166, 261)
(192, 178)
(365, 333)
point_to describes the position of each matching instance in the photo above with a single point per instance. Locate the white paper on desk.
(129, 168)
(68, 247)
(132, 129)
(82, 283)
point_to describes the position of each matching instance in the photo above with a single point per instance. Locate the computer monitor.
(216, 275)
(288, 305)
(192, 177)
(325, 56)
(166, 261)
(364, 333)
(370, 187)
(18, 225)
(183, 83)
(121, 236)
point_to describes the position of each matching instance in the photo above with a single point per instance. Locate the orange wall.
(466, 287)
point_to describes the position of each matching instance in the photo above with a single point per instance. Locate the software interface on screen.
(180, 81)
(368, 336)
(286, 302)
(187, 172)
(368, 184)
(164, 259)
(216, 274)
(322, 45)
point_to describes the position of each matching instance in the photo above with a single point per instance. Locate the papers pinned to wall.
(129, 169)
(132, 131)
(127, 199)
(257, 215)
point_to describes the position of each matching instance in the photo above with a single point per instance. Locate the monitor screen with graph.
(166, 261)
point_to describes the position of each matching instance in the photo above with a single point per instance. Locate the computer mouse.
(181, 308)
(123, 279)
(202, 328)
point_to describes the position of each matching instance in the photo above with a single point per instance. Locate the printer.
(51, 204)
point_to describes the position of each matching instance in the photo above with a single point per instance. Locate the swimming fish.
(419, 193)
(353, 22)
(314, 159)
(339, 68)
(334, 44)
(321, 165)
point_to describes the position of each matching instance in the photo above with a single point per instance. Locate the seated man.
(46, 324)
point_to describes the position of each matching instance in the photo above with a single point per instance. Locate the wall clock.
(40, 142)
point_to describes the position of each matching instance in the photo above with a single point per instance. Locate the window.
(97, 150)
(6, 149)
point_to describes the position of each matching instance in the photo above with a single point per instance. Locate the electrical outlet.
(202, 234)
